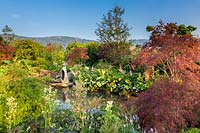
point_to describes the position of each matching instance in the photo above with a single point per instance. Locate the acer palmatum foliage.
(6, 52)
(51, 47)
(77, 55)
(180, 52)
(169, 105)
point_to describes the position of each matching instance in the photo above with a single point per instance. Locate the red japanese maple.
(50, 47)
(171, 104)
(6, 52)
(181, 53)
(77, 55)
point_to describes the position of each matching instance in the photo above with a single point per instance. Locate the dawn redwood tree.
(112, 27)
(113, 35)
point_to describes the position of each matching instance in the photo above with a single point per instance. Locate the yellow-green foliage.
(53, 57)
(21, 97)
(191, 130)
(21, 101)
(50, 57)
(27, 49)
(73, 45)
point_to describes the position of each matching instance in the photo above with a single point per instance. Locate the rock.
(57, 81)
(44, 73)
(58, 85)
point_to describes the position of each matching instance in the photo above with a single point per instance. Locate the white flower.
(109, 102)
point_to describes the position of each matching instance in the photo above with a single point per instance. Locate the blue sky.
(79, 18)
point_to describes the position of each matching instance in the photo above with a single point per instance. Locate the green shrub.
(93, 48)
(21, 101)
(101, 64)
(191, 130)
(27, 49)
(71, 46)
(54, 56)
(16, 70)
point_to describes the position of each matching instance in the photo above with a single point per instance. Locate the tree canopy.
(27, 49)
(112, 27)
(7, 34)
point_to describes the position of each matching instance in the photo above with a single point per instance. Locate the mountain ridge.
(65, 40)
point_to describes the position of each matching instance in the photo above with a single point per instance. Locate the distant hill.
(64, 40)
(140, 41)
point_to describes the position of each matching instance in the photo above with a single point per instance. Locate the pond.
(79, 97)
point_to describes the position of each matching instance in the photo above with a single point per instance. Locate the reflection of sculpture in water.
(63, 96)
(65, 91)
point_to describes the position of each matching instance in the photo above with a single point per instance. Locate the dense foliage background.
(156, 85)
